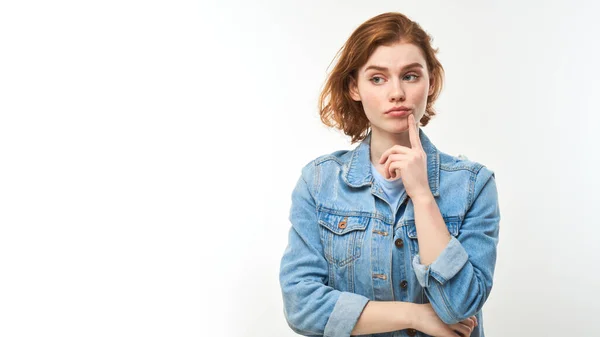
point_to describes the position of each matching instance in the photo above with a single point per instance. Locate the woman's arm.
(432, 233)
(311, 307)
(379, 317)
(382, 316)
(458, 277)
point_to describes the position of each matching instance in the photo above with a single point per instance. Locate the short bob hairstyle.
(336, 106)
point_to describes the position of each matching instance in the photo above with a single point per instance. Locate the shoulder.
(461, 162)
(474, 176)
(325, 166)
(337, 158)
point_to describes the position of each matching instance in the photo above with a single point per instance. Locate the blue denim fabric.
(348, 246)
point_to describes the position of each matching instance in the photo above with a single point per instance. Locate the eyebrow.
(412, 65)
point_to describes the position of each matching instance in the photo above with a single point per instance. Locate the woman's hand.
(408, 163)
(428, 322)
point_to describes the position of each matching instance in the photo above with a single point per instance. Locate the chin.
(398, 128)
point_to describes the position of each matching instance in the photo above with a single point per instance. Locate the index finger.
(413, 132)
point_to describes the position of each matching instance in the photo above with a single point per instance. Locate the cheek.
(371, 103)
(371, 98)
(420, 93)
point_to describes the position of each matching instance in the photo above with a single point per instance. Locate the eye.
(413, 75)
(376, 78)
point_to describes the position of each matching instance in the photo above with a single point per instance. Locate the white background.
(148, 151)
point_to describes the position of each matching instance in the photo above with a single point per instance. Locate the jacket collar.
(357, 171)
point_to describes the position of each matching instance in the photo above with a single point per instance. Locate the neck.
(381, 141)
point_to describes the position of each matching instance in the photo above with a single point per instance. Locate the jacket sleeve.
(459, 281)
(312, 308)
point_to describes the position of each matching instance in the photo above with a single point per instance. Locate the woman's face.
(393, 76)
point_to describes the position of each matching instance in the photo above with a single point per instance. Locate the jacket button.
(342, 225)
(411, 332)
(403, 284)
(399, 243)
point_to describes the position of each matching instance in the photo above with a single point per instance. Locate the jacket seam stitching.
(446, 302)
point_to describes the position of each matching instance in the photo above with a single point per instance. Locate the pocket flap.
(342, 224)
(452, 223)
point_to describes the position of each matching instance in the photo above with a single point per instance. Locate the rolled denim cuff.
(450, 261)
(345, 314)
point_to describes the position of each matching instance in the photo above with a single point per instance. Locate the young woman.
(393, 238)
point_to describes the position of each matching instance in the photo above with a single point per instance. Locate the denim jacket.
(347, 246)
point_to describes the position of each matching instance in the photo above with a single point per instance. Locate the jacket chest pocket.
(452, 223)
(342, 237)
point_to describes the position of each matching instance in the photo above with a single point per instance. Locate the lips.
(400, 108)
(398, 112)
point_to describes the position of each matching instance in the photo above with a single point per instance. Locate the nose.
(396, 92)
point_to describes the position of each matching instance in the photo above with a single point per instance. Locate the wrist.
(423, 198)
(414, 315)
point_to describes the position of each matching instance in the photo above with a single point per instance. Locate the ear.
(353, 88)
(431, 85)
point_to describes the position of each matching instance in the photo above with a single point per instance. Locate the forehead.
(395, 56)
